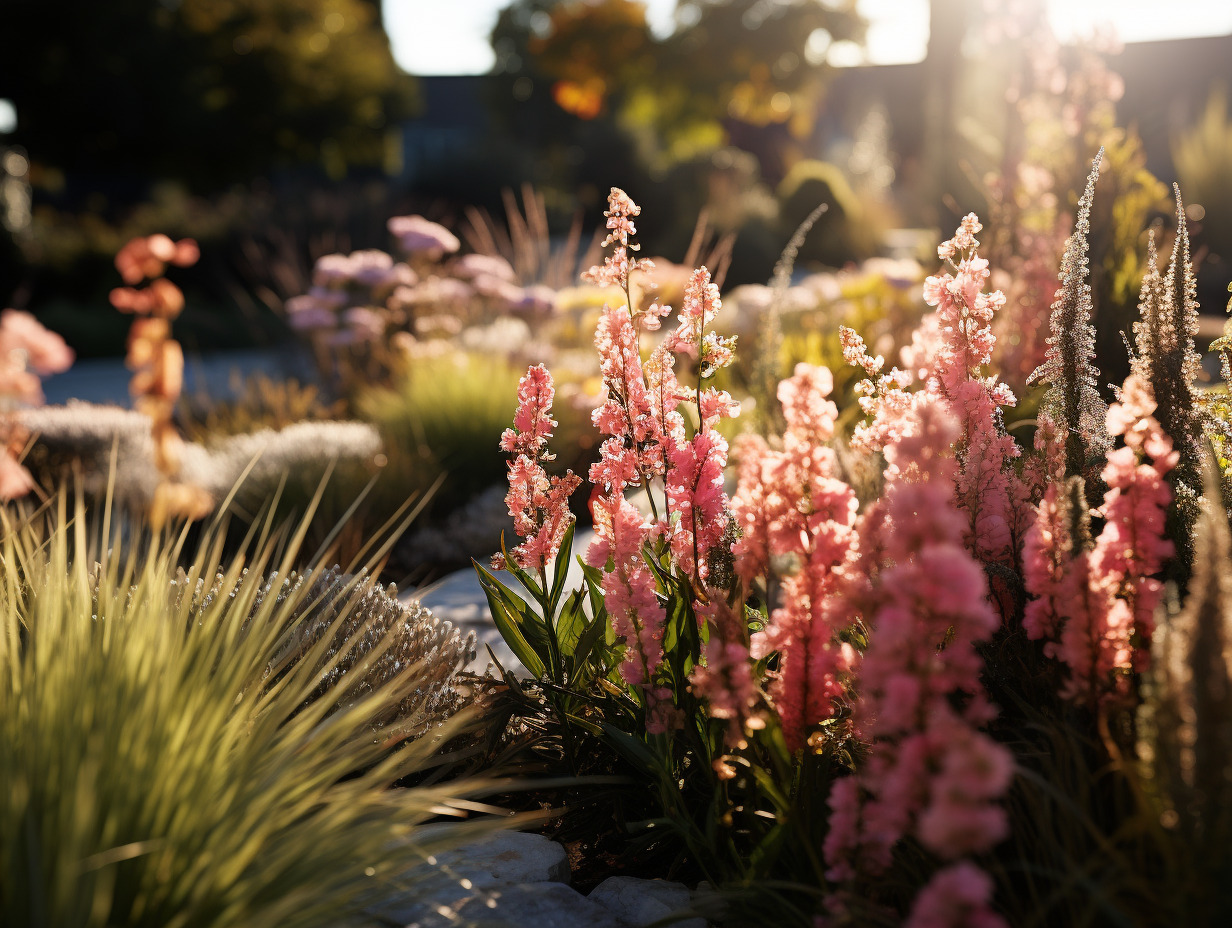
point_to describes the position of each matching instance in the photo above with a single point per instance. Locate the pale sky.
(451, 36)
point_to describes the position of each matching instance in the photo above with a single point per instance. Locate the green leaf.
(633, 750)
(508, 621)
(571, 623)
(594, 586)
(594, 633)
(560, 571)
(524, 578)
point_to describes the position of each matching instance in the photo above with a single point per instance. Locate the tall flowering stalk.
(931, 773)
(986, 482)
(1095, 602)
(1072, 400)
(1166, 358)
(157, 362)
(538, 503)
(647, 440)
(798, 529)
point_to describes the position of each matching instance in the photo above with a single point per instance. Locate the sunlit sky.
(451, 36)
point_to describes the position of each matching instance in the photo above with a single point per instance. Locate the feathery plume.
(1072, 400)
(1166, 358)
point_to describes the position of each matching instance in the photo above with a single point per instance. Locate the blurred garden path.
(217, 376)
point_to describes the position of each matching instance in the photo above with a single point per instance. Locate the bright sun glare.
(431, 37)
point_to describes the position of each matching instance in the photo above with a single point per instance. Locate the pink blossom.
(930, 773)
(986, 483)
(725, 678)
(956, 897)
(695, 493)
(700, 306)
(44, 351)
(538, 503)
(532, 423)
(883, 397)
(1095, 603)
(616, 268)
(621, 533)
(418, 236)
(797, 520)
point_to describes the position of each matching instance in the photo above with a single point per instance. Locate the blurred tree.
(203, 91)
(749, 62)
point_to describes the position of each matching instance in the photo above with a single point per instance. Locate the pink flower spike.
(532, 423)
(538, 503)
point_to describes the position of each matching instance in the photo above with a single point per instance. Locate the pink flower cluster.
(629, 594)
(28, 351)
(883, 398)
(1095, 604)
(616, 268)
(986, 485)
(931, 773)
(798, 527)
(647, 440)
(538, 503)
(422, 237)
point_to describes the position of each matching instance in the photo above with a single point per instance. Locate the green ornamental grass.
(171, 758)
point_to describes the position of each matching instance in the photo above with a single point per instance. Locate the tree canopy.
(204, 91)
(759, 62)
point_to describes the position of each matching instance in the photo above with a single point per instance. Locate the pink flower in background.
(957, 897)
(423, 238)
(471, 266)
(371, 267)
(725, 679)
(146, 258)
(28, 351)
(798, 522)
(331, 271)
(536, 300)
(987, 487)
(1095, 602)
(44, 351)
(365, 324)
(1047, 552)
(15, 480)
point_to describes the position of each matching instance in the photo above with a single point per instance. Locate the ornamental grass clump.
(203, 746)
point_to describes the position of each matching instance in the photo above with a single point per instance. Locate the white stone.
(639, 903)
(512, 857)
(508, 905)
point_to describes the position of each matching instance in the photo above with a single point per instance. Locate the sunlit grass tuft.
(179, 760)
